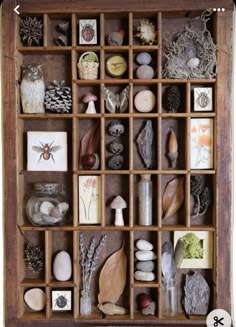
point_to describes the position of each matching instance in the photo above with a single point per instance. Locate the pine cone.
(205, 199)
(197, 184)
(34, 257)
(31, 30)
(58, 97)
(173, 99)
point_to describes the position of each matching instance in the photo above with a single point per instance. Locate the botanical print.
(89, 199)
(203, 99)
(201, 143)
(47, 151)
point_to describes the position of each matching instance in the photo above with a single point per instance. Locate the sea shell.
(111, 309)
(46, 207)
(146, 32)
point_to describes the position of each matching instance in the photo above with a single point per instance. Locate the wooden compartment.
(59, 30)
(115, 23)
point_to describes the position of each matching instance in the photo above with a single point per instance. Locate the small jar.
(145, 200)
(47, 205)
(170, 297)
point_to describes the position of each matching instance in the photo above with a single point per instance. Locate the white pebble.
(144, 276)
(193, 63)
(145, 255)
(62, 266)
(46, 207)
(35, 298)
(144, 245)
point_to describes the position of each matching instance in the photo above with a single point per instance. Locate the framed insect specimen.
(202, 99)
(47, 151)
(87, 31)
(61, 300)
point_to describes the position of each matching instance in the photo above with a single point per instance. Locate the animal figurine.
(32, 89)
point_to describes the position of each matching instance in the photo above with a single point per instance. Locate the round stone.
(115, 162)
(62, 266)
(145, 72)
(147, 266)
(35, 298)
(115, 128)
(145, 255)
(144, 245)
(46, 207)
(116, 147)
(144, 276)
(193, 62)
(143, 58)
(145, 101)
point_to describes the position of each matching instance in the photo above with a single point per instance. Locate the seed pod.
(173, 149)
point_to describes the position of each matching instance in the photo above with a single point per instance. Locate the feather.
(116, 102)
(179, 253)
(168, 266)
(167, 247)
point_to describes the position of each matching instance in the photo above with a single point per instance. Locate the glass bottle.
(47, 206)
(170, 297)
(145, 200)
(85, 303)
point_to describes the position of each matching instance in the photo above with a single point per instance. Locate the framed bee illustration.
(47, 151)
(87, 31)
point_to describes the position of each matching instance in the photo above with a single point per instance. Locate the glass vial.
(145, 200)
(85, 303)
(170, 297)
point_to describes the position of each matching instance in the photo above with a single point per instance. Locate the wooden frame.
(14, 161)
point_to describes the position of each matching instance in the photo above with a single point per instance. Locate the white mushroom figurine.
(119, 204)
(90, 98)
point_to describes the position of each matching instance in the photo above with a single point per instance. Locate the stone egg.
(143, 58)
(62, 266)
(193, 62)
(144, 72)
(35, 298)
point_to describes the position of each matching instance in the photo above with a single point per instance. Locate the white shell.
(145, 255)
(144, 276)
(144, 245)
(62, 266)
(63, 207)
(46, 207)
(145, 101)
(193, 63)
(35, 298)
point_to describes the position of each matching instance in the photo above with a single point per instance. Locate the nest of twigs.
(191, 53)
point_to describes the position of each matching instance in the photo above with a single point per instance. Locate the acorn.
(173, 149)
(90, 161)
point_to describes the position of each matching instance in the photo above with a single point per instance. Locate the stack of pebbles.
(144, 71)
(145, 265)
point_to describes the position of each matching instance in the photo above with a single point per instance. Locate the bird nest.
(191, 53)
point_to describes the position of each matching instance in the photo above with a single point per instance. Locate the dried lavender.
(34, 257)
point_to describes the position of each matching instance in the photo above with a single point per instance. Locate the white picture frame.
(203, 99)
(61, 300)
(87, 31)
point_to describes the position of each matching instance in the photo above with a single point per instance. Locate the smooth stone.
(62, 266)
(144, 245)
(35, 298)
(145, 255)
(115, 162)
(143, 58)
(145, 72)
(63, 207)
(145, 101)
(46, 207)
(146, 266)
(144, 276)
(193, 63)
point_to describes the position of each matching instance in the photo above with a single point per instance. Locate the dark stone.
(115, 162)
(197, 294)
(116, 147)
(173, 99)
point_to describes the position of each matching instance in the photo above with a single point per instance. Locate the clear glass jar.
(47, 206)
(85, 303)
(145, 200)
(170, 297)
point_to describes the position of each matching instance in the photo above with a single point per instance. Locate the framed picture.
(201, 152)
(61, 300)
(87, 31)
(198, 249)
(47, 151)
(202, 99)
(90, 200)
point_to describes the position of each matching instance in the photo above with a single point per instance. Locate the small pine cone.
(197, 184)
(31, 30)
(58, 97)
(205, 199)
(34, 257)
(173, 99)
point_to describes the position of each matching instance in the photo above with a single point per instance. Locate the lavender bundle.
(89, 259)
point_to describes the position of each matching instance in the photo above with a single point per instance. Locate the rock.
(35, 298)
(115, 162)
(62, 266)
(145, 255)
(144, 245)
(193, 62)
(144, 141)
(144, 276)
(145, 101)
(143, 58)
(197, 294)
(145, 72)
(116, 147)
(146, 266)
(150, 309)
(116, 128)
(46, 207)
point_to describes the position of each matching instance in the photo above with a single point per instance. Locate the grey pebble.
(143, 58)
(146, 266)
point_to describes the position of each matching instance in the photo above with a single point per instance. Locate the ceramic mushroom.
(90, 98)
(119, 204)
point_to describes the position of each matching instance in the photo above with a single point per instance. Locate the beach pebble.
(143, 58)
(62, 266)
(145, 255)
(35, 298)
(147, 266)
(46, 207)
(144, 72)
(145, 101)
(144, 245)
(144, 276)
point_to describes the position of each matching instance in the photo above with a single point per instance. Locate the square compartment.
(115, 23)
(59, 30)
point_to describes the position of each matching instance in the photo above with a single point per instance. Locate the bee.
(46, 150)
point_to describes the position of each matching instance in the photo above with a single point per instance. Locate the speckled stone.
(143, 58)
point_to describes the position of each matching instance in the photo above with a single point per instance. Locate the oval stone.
(62, 266)
(144, 276)
(147, 266)
(145, 72)
(145, 101)
(143, 58)
(144, 245)
(145, 255)
(46, 207)
(193, 62)
(35, 298)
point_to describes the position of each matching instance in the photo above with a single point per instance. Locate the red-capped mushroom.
(90, 98)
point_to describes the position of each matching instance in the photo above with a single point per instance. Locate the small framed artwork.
(61, 300)
(201, 152)
(90, 200)
(47, 151)
(198, 249)
(87, 31)
(203, 99)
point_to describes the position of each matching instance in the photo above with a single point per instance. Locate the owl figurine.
(32, 89)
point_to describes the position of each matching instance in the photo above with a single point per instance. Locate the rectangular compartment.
(59, 30)
(139, 21)
(153, 293)
(26, 312)
(86, 104)
(35, 24)
(114, 23)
